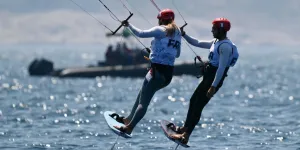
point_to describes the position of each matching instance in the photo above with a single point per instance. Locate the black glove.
(125, 23)
(148, 50)
(182, 32)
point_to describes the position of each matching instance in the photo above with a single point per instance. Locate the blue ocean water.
(257, 108)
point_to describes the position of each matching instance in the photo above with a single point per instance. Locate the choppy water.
(257, 108)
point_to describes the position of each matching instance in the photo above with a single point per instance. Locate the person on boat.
(223, 55)
(165, 48)
(109, 55)
(127, 54)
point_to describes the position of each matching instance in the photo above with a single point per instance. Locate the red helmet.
(166, 14)
(222, 23)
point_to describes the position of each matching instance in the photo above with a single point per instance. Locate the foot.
(126, 121)
(183, 138)
(120, 119)
(124, 129)
(177, 129)
(181, 130)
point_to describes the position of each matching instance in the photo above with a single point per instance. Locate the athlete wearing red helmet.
(166, 17)
(165, 48)
(220, 27)
(222, 23)
(223, 55)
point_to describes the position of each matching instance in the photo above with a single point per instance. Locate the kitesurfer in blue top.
(165, 48)
(223, 55)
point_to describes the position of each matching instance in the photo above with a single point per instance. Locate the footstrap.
(175, 128)
(117, 117)
(172, 126)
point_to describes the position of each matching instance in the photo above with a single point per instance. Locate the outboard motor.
(40, 67)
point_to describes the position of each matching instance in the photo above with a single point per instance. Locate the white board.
(168, 131)
(111, 122)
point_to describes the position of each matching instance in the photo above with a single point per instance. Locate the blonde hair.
(171, 29)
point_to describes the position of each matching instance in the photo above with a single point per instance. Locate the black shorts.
(165, 70)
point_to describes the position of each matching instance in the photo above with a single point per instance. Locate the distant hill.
(61, 21)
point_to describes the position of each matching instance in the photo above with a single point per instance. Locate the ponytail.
(171, 28)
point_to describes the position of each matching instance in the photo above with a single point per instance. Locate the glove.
(125, 23)
(148, 50)
(182, 32)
